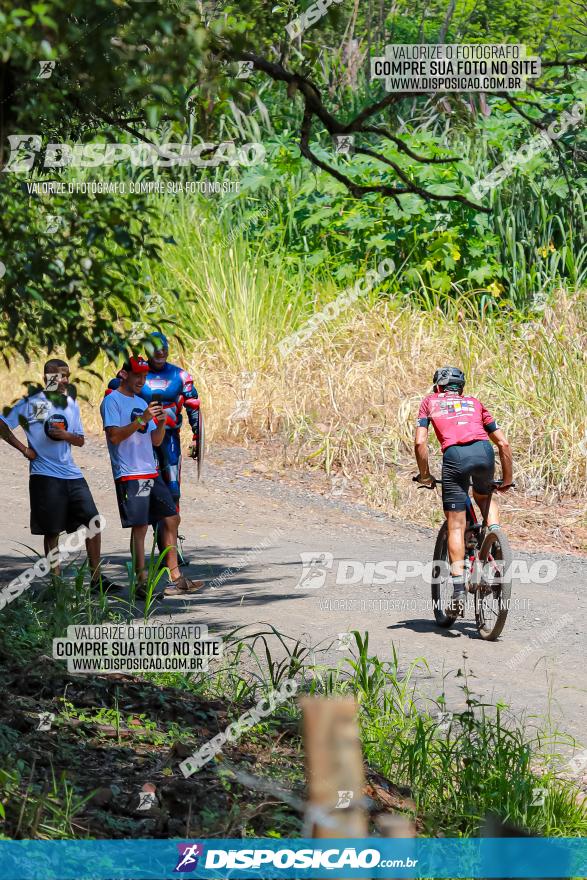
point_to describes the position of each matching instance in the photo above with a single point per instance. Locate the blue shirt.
(134, 457)
(35, 414)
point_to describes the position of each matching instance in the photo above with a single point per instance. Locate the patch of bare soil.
(115, 744)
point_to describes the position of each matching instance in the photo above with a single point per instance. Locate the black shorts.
(143, 502)
(459, 464)
(59, 505)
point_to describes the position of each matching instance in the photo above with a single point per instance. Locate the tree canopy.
(150, 70)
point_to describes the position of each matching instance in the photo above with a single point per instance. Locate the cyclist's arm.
(421, 451)
(505, 455)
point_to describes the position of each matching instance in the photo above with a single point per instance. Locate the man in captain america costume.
(174, 389)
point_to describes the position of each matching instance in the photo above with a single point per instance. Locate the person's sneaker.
(104, 585)
(182, 587)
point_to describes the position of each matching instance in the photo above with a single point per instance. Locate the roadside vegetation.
(344, 404)
(498, 289)
(501, 294)
(112, 736)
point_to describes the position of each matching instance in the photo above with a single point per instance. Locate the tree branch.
(314, 107)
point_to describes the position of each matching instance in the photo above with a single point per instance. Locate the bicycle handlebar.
(495, 484)
(416, 479)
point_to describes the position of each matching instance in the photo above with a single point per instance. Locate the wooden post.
(334, 768)
(395, 825)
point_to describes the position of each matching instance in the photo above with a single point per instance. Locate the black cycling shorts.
(59, 505)
(143, 501)
(459, 464)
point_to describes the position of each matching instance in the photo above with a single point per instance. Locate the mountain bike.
(487, 572)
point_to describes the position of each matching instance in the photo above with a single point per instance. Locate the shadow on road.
(424, 625)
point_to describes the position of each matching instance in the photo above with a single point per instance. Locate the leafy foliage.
(167, 69)
(68, 286)
(72, 264)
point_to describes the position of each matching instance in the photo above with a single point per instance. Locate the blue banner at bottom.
(254, 859)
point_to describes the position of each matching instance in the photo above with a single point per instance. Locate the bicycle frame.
(471, 510)
(471, 515)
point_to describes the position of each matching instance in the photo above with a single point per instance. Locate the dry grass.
(345, 402)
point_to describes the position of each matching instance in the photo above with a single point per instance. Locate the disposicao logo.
(188, 855)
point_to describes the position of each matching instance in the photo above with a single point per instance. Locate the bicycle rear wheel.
(441, 583)
(493, 593)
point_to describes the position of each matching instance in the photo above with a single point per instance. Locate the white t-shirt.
(35, 414)
(134, 457)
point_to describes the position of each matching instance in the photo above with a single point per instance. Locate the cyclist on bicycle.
(462, 426)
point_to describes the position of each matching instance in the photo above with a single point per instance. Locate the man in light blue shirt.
(60, 497)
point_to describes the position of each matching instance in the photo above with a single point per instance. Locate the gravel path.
(537, 666)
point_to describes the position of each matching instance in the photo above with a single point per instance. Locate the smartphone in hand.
(156, 400)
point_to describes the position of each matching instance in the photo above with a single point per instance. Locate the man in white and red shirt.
(132, 429)
(464, 428)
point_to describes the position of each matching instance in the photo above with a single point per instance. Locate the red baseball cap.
(136, 364)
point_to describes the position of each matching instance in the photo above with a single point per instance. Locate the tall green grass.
(541, 248)
(240, 300)
(485, 760)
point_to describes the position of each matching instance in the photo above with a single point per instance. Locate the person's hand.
(29, 453)
(153, 411)
(57, 433)
(196, 449)
(160, 414)
(427, 480)
(505, 487)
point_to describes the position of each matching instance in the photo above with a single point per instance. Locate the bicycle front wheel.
(493, 593)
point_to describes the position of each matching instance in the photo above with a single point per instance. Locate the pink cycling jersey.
(455, 419)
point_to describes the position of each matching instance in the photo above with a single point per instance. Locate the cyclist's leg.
(455, 489)
(483, 474)
(456, 520)
(493, 515)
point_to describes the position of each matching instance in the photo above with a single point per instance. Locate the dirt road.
(538, 666)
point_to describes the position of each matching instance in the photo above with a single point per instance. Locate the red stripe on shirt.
(137, 477)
